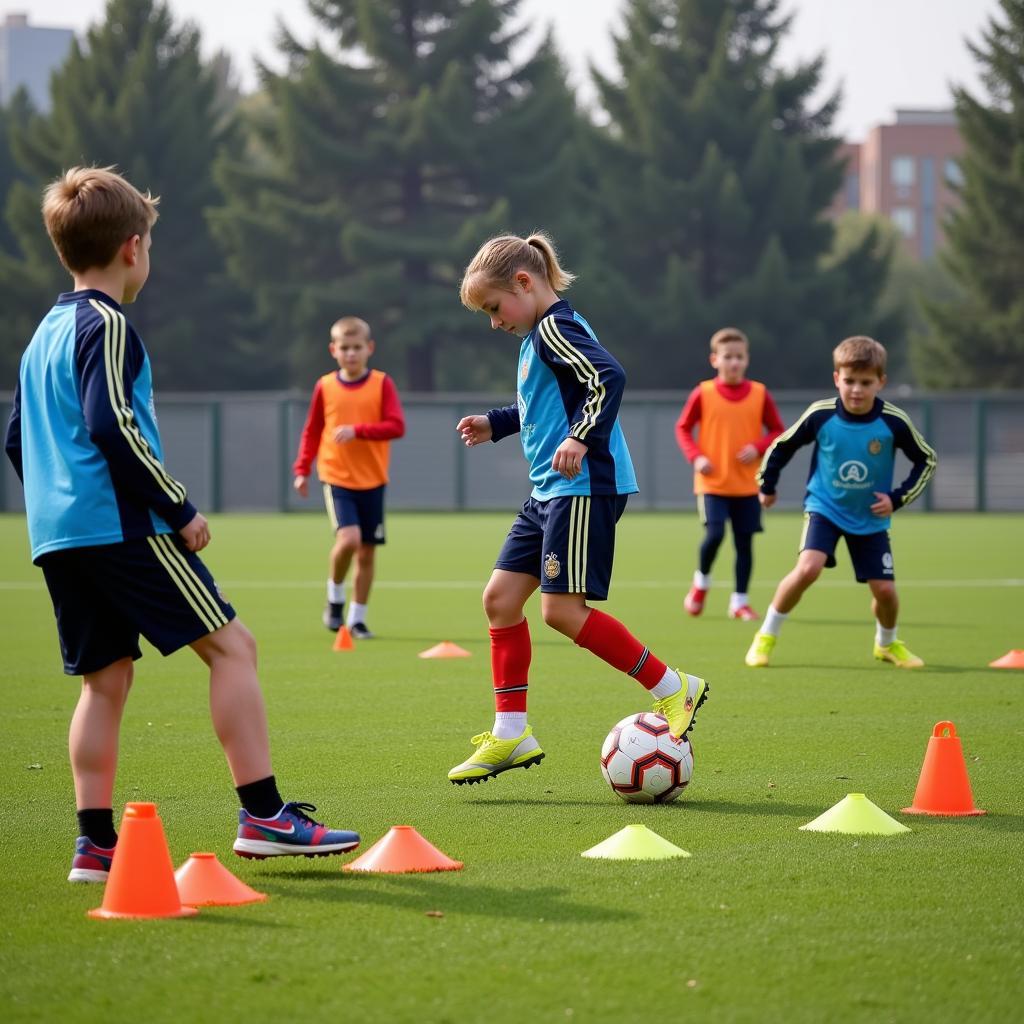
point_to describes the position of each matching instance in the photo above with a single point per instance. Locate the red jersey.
(730, 417)
(371, 406)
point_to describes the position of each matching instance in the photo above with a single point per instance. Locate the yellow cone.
(856, 815)
(635, 842)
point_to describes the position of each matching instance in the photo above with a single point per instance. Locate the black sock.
(97, 824)
(261, 798)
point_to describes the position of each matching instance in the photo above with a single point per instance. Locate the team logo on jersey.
(552, 566)
(524, 367)
(378, 533)
(887, 561)
(853, 472)
(874, 446)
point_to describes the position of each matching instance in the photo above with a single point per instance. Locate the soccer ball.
(643, 763)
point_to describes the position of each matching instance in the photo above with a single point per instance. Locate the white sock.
(509, 724)
(737, 600)
(336, 592)
(883, 636)
(668, 684)
(773, 621)
(700, 581)
(356, 613)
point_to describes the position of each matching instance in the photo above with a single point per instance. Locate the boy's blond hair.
(727, 334)
(498, 260)
(349, 323)
(90, 212)
(860, 353)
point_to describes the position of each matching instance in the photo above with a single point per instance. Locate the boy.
(353, 415)
(738, 421)
(115, 535)
(849, 493)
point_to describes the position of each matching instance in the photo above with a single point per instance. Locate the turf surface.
(763, 922)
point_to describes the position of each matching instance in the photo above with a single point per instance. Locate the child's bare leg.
(94, 732)
(362, 579)
(565, 612)
(885, 603)
(346, 543)
(236, 701)
(792, 587)
(505, 597)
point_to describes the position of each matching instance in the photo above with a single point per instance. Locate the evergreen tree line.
(362, 177)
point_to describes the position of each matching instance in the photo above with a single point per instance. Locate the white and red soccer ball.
(643, 762)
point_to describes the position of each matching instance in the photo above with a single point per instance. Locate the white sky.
(885, 53)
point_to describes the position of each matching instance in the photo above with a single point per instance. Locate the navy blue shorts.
(365, 509)
(567, 543)
(105, 597)
(744, 513)
(870, 553)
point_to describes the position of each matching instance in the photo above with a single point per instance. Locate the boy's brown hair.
(90, 212)
(860, 353)
(727, 334)
(348, 324)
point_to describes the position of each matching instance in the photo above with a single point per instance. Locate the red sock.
(510, 665)
(612, 642)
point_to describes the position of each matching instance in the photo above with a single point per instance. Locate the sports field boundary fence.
(234, 451)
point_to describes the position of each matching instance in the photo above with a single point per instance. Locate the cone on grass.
(343, 640)
(856, 815)
(943, 787)
(204, 882)
(445, 649)
(635, 842)
(402, 850)
(141, 882)
(1011, 659)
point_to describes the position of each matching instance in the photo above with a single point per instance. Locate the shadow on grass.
(859, 668)
(421, 893)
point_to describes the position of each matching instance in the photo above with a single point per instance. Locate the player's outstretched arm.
(474, 430)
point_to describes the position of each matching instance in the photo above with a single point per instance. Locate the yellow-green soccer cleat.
(681, 708)
(899, 654)
(760, 650)
(494, 756)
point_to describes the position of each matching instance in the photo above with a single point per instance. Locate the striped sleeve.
(589, 376)
(109, 357)
(922, 456)
(786, 445)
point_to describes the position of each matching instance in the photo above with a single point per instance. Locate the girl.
(563, 540)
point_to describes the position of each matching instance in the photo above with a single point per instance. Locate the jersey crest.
(552, 567)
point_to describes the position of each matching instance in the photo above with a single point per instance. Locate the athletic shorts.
(744, 513)
(365, 509)
(567, 543)
(870, 553)
(105, 597)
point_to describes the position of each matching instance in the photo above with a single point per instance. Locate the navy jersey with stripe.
(568, 385)
(83, 434)
(853, 458)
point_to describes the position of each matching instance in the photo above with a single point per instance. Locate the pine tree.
(716, 174)
(138, 97)
(374, 175)
(980, 334)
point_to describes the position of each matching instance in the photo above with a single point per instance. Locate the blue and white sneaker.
(290, 833)
(91, 862)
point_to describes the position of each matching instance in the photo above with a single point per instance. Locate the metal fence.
(234, 452)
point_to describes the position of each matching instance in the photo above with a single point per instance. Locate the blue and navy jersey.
(853, 458)
(568, 385)
(83, 435)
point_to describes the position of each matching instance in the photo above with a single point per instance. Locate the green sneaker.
(760, 649)
(681, 708)
(494, 756)
(899, 654)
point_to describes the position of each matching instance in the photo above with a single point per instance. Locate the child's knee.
(883, 590)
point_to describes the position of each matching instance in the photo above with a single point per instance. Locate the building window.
(901, 170)
(954, 172)
(905, 220)
(853, 191)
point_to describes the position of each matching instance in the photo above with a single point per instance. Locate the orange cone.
(1012, 659)
(403, 849)
(141, 882)
(204, 882)
(445, 649)
(343, 640)
(943, 787)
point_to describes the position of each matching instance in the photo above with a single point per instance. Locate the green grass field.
(763, 922)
